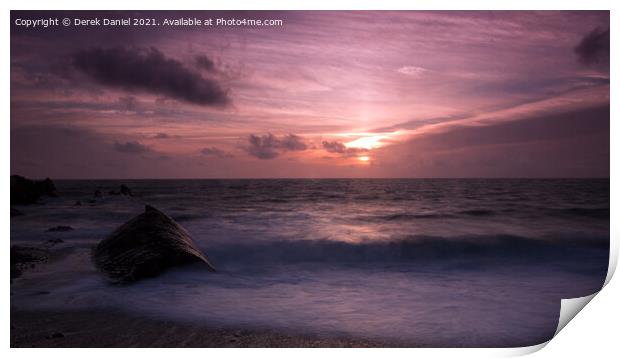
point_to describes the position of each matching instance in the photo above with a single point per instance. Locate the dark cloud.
(205, 63)
(269, 146)
(131, 147)
(541, 128)
(215, 152)
(292, 142)
(161, 136)
(50, 151)
(149, 70)
(334, 147)
(593, 49)
(562, 144)
(340, 148)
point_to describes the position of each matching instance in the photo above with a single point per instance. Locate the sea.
(419, 262)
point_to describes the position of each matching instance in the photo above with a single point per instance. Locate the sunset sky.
(327, 94)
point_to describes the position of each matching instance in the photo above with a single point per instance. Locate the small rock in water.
(78, 203)
(24, 257)
(53, 242)
(125, 190)
(55, 335)
(98, 194)
(61, 228)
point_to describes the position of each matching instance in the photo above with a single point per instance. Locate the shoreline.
(114, 329)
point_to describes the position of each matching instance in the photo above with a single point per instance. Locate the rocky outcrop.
(25, 191)
(145, 246)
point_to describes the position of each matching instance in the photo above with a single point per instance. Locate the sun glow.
(369, 142)
(363, 159)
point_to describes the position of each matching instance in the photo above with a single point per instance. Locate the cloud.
(161, 136)
(205, 63)
(269, 146)
(573, 143)
(131, 147)
(215, 152)
(150, 71)
(50, 151)
(594, 48)
(340, 148)
(412, 71)
(334, 147)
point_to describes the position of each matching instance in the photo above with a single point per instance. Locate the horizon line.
(329, 178)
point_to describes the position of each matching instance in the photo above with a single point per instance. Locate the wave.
(478, 212)
(418, 249)
(593, 213)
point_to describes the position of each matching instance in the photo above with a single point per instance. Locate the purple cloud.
(594, 48)
(269, 146)
(150, 71)
(131, 147)
(339, 147)
(215, 152)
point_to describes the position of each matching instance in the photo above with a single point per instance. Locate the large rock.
(145, 246)
(26, 191)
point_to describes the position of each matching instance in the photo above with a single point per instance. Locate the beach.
(103, 329)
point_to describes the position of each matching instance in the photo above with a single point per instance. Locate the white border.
(594, 331)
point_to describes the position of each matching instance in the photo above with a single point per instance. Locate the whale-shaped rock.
(145, 246)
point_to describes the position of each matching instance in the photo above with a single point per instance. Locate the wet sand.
(93, 329)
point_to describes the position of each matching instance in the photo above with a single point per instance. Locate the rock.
(78, 203)
(53, 242)
(55, 335)
(125, 190)
(98, 194)
(15, 212)
(60, 228)
(25, 257)
(25, 191)
(145, 246)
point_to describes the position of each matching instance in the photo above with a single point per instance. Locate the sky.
(325, 95)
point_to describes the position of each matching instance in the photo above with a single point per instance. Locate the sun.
(363, 159)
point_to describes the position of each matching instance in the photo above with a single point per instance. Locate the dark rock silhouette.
(53, 242)
(125, 190)
(25, 191)
(60, 228)
(98, 194)
(145, 246)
